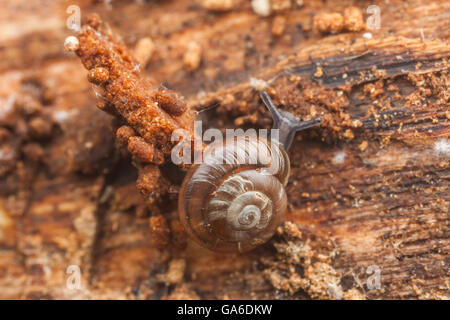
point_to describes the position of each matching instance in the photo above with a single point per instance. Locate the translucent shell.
(235, 199)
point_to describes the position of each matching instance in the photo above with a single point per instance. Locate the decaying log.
(369, 189)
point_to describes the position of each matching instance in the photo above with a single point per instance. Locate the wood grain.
(368, 188)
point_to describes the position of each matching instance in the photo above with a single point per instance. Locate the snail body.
(235, 199)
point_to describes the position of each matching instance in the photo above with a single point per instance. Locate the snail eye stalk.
(286, 122)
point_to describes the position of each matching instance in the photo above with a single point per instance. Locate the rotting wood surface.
(369, 190)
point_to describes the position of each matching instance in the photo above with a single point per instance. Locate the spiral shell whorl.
(244, 208)
(228, 205)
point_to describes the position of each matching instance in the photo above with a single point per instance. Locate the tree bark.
(369, 190)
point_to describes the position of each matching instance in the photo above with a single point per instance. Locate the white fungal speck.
(258, 84)
(201, 94)
(261, 7)
(7, 107)
(339, 157)
(47, 271)
(367, 35)
(71, 44)
(6, 155)
(62, 116)
(442, 147)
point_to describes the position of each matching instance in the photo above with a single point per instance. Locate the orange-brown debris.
(193, 56)
(170, 101)
(179, 237)
(112, 67)
(328, 22)
(159, 231)
(123, 134)
(98, 75)
(40, 128)
(144, 151)
(218, 5)
(353, 19)
(334, 22)
(278, 25)
(148, 179)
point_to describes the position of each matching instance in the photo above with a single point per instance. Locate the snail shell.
(235, 199)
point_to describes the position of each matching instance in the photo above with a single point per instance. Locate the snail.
(235, 199)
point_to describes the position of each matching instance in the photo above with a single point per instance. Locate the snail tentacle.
(287, 123)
